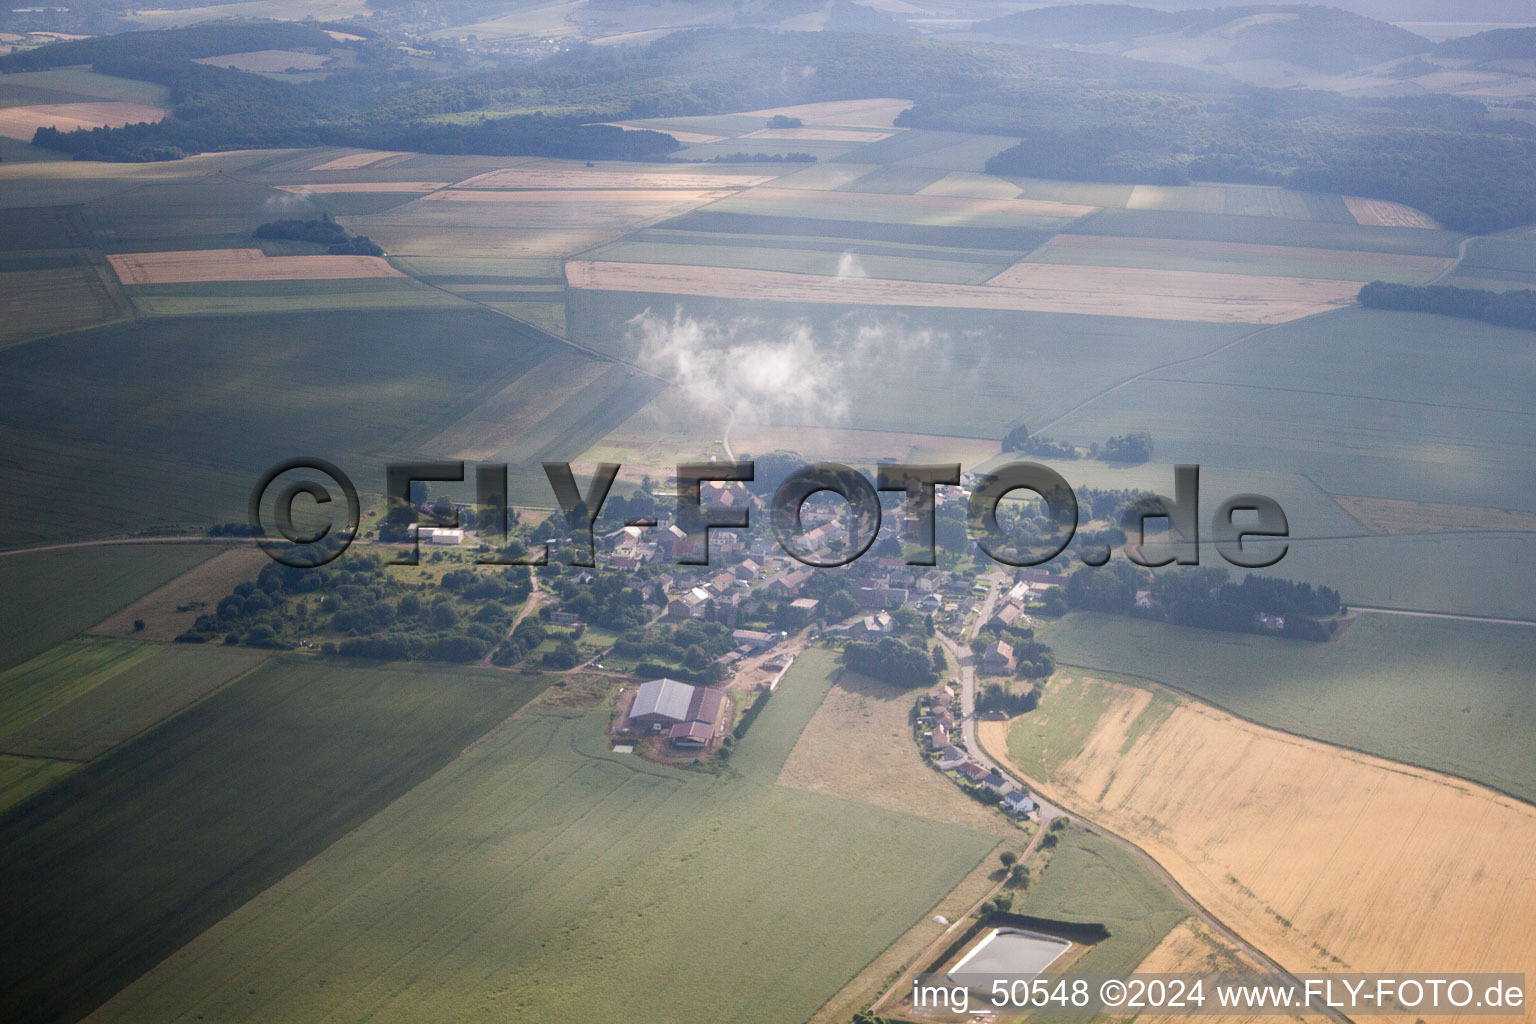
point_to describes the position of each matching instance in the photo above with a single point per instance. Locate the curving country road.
(1050, 810)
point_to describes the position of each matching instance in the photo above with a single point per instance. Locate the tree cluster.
(891, 661)
(1514, 308)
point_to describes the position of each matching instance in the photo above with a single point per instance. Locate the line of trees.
(1515, 308)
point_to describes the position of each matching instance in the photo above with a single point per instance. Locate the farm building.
(435, 534)
(751, 640)
(691, 714)
(661, 702)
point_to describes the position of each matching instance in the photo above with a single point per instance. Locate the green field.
(209, 212)
(32, 689)
(893, 179)
(1279, 261)
(52, 595)
(964, 373)
(222, 298)
(134, 697)
(1009, 239)
(1448, 695)
(119, 864)
(191, 409)
(20, 777)
(1217, 227)
(75, 85)
(537, 863)
(1093, 880)
(852, 204)
(800, 261)
(1357, 400)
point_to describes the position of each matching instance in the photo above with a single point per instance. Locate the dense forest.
(1078, 116)
(1516, 308)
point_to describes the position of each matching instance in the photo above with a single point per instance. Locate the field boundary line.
(1116, 675)
(1180, 362)
(1340, 394)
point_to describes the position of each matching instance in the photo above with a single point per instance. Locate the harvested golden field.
(198, 591)
(35, 303)
(354, 161)
(242, 265)
(1393, 515)
(365, 186)
(1046, 288)
(859, 746)
(1387, 214)
(1193, 947)
(878, 113)
(23, 122)
(818, 134)
(1326, 859)
(1279, 298)
(566, 176)
(687, 138)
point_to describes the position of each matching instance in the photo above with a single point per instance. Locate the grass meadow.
(191, 409)
(964, 373)
(119, 864)
(539, 877)
(1092, 880)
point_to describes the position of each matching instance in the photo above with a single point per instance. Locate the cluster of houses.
(731, 591)
(937, 723)
(999, 659)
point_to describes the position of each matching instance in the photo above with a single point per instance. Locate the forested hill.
(1077, 115)
(189, 43)
(1308, 35)
(1497, 44)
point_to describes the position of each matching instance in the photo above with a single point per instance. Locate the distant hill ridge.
(1498, 44)
(1323, 38)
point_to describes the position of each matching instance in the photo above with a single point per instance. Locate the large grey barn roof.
(665, 697)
